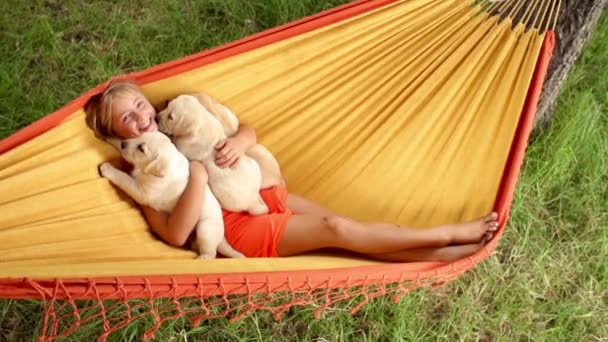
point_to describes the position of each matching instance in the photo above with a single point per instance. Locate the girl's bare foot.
(473, 231)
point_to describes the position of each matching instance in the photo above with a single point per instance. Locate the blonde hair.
(99, 107)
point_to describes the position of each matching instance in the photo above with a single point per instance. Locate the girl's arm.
(233, 148)
(176, 227)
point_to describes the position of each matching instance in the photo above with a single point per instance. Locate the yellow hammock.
(401, 111)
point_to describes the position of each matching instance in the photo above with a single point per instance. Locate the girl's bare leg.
(443, 254)
(304, 206)
(306, 233)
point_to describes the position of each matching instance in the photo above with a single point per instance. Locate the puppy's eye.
(170, 116)
(140, 147)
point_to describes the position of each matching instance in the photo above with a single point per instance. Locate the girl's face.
(132, 115)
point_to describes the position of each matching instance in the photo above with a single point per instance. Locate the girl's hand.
(229, 152)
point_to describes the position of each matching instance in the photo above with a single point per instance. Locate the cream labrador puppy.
(269, 166)
(159, 178)
(196, 131)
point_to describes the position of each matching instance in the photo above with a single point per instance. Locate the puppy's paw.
(259, 208)
(106, 169)
(206, 256)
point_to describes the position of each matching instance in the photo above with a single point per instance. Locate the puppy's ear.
(115, 142)
(157, 167)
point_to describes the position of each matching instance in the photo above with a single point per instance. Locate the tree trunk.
(576, 22)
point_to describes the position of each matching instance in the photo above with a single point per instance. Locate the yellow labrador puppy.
(269, 166)
(196, 131)
(160, 177)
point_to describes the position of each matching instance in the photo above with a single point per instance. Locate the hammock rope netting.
(414, 112)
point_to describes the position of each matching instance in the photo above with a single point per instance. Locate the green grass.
(547, 281)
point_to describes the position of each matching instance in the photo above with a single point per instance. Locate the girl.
(294, 225)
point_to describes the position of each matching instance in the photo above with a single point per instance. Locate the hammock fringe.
(64, 313)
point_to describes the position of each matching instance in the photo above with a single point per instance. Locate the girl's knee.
(337, 227)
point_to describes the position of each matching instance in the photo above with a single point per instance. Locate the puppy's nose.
(156, 118)
(123, 145)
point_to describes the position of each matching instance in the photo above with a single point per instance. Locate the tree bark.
(576, 21)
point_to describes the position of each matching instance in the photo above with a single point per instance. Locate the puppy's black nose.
(156, 118)
(123, 145)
